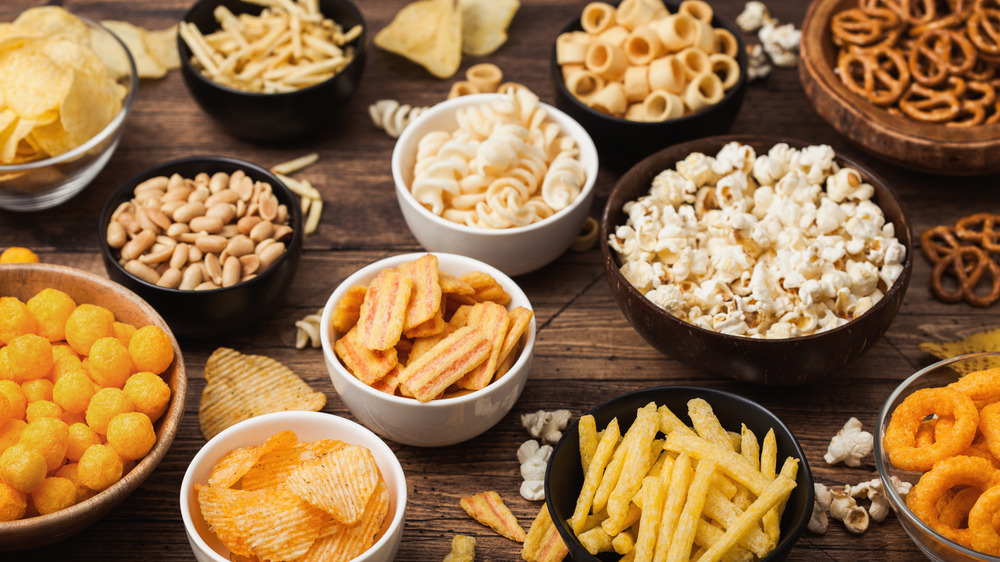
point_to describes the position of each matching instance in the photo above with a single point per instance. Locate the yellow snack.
(131, 435)
(484, 24)
(13, 503)
(151, 349)
(368, 365)
(593, 475)
(10, 433)
(110, 362)
(65, 360)
(53, 494)
(238, 462)
(339, 483)
(71, 472)
(429, 33)
(4, 410)
(149, 394)
(38, 389)
(99, 467)
(463, 549)
(124, 332)
(42, 409)
(347, 542)
(543, 543)
(104, 406)
(51, 308)
(16, 254)
(383, 312)
(15, 319)
(29, 357)
(15, 397)
(87, 324)
(348, 309)
(444, 364)
(80, 438)
(48, 436)
(73, 391)
(488, 508)
(485, 287)
(425, 296)
(492, 321)
(22, 467)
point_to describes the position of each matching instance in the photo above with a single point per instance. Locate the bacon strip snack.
(488, 508)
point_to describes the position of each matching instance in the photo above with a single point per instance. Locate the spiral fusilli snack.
(508, 164)
(393, 117)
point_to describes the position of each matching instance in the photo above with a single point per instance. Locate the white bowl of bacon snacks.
(428, 349)
(300, 486)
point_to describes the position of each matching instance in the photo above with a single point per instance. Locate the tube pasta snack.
(667, 491)
(418, 332)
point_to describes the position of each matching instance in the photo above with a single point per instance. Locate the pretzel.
(918, 11)
(983, 28)
(933, 56)
(879, 74)
(980, 228)
(931, 106)
(967, 265)
(857, 27)
(938, 242)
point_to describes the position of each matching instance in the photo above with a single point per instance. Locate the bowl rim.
(109, 130)
(294, 217)
(717, 22)
(898, 503)
(407, 139)
(805, 472)
(356, 385)
(899, 285)
(327, 420)
(134, 478)
(360, 42)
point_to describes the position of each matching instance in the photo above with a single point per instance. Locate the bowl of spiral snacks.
(296, 86)
(913, 83)
(762, 259)
(428, 349)
(211, 242)
(701, 473)
(936, 449)
(92, 385)
(502, 178)
(308, 485)
(640, 76)
(69, 85)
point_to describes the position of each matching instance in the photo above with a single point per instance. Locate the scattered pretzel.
(962, 259)
(980, 228)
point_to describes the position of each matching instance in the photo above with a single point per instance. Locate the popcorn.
(533, 458)
(850, 445)
(754, 16)
(546, 425)
(778, 245)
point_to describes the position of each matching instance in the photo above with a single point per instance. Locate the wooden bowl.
(776, 362)
(25, 280)
(925, 147)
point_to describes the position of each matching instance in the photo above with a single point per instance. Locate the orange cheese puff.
(22, 467)
(17, 254)
(99, 467)
(445, 363)
(492, 319)
(65, 360)
(73, 391)
(151, 349)
(105, 405)
(13, 503)
(15, 320)
(81, 437)
(87, 324)
(42, 409)
(124, 332)
(148, 393)
(71, 472)
(51, 308)
(384, 310)
(38, 389)
(10, 433)
(367, 365)
(48, 436)
(110, 362)
(131, 435)
(53, 494)
(15, 395)
(4, 410)
(29, 357)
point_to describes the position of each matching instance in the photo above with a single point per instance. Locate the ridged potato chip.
(340, 543)
(340, 483)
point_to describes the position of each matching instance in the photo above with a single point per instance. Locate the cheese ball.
(53, 494)
(48, 436)
(42, 409)
(12, 391)
(51, 308)
(10, 433)
(22, 467)
(13, 503)
(71, 472)
(87, 324)
(110, 363)
(151, 349)
(17, 254)
(73, 391)
(38, 389)
(81, 437)
(29, 357)
(15, 319)
(148, 393)
(131, 435)
(105, 405)
(99, 467)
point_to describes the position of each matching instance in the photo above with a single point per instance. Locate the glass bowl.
(931, 543)
(42, 184)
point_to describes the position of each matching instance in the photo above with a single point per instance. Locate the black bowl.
(779, 362)
(219, 311)
(564, 476)
(279, 116)
(621, 142)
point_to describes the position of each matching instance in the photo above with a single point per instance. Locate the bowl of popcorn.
(657, 449)
(502, 178)
(70, 86)
(762, 259)
(643, 75)
(428, 349)
(211, 242)
(308, 486)
(92, 391)
(943, 485)
(879, 73)
(298, 85)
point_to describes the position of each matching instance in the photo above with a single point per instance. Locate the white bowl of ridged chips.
(441, 421)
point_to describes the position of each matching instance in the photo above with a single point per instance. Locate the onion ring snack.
(900, 436)
(946, 475)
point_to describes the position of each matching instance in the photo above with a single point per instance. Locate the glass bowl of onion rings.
(939, 431)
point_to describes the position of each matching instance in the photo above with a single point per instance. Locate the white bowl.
(440, 422)
(515, 250)
(309, 426)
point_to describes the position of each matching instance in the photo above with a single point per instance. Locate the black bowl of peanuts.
(211, 242)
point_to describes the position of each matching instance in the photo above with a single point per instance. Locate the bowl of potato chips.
(308, 485)
(713, 472)
(428, 349)
(299, 84)
(67, 89)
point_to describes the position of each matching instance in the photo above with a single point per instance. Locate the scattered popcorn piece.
(758, 66)
(781, 43)
(546, 425)
(819, 520)
(850, 445)
(845, 508)
(754, 16)
(463, 549)
(872, 490)
(533, 458)
(307, 331)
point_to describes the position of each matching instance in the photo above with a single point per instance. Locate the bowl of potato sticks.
(763, 259)
(502, 178)
(68, 86)
(294, 486)
(93, 393)
(913, 83)
(428, 349)
(643, 75)
(936, 448)
(702, 474)
(266, 89)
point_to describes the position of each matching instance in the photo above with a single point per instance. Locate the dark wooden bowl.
(926, 147)
(778, 362)
(564, 476)
(25, 280)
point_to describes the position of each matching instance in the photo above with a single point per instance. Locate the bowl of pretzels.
(914, 82)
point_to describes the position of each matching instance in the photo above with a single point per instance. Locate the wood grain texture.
(585, 353)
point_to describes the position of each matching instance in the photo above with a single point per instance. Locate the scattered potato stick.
(592, 478)
(706, 424)
(445, 363)
(587, 428)
(543, 543)
(384, 310)
(730, 463)
(289, 167)
(369, 366)
(488, 508)
(348, 309)
(680, 478)
(773, 493)
(312, 220)
(492, 320)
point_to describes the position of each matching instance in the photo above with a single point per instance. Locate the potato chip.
(239, 387)
(484, 24)
(216, 508)
(236, 463)
(452, 285)
(425, 298)
(429, 33)
(275, 466)
(488, 508)
(340, 543)
(41, 84)
(988, 340)
(432, 327)
(278, 525)
(135, 39)
(492, 321)
(369, 366)
(486, 288)
(162, 46)
(445, 363)
(340, 483)
(348, 309)
(383, 311)
(543, 543)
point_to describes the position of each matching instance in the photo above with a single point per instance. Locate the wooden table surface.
(586, 351)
